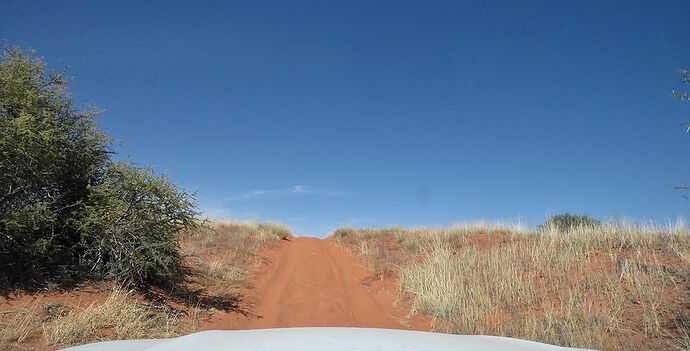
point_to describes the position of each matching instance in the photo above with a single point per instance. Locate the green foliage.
(49, 155)
(56, 178)
(567, 221)
(131, 224)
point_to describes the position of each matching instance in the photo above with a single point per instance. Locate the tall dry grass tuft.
(17, 326)
(222, 252)
(216, 233)
(614, 287)
(121, 316)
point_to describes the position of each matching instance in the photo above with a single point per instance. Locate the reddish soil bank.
(310, 282)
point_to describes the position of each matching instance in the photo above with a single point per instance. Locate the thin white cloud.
(255, 193)
(292, 191)
(221, 213)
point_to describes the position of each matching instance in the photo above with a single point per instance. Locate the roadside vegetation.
(96, 249)
(68, 211)
(120, 316)
(573, 282)
(217, 257)
(222, 252)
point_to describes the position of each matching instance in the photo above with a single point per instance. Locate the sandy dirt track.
(310, 282)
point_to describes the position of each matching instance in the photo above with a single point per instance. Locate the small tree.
(66, 210)
(49, 155)
(131, 224)
(567, 221)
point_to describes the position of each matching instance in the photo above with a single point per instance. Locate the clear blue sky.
(368, 113)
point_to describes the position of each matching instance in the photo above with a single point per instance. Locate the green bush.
(131, 223)
(61, 198)
(49, 155)
(567, 221)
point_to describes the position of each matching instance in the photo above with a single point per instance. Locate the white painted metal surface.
(322, 339)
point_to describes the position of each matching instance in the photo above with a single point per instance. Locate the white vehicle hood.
(321, 339)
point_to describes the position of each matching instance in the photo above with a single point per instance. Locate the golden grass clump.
(121, 316)
(16, 327)
(222, 252)
(611, 287)
(215, 232)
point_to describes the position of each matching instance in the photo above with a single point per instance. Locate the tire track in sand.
(311, 282)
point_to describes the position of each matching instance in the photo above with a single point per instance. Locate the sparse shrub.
(342, 233)
(408, 242)
(223, 270)
(567, 221)
(276, 229)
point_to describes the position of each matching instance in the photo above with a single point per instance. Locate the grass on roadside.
(218, 255)
(121, 316)
(17, 326)
(612, 287)
(224, 251)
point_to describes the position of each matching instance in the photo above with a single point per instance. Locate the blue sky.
(370, 113)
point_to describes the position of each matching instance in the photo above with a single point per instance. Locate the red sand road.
(310, 282)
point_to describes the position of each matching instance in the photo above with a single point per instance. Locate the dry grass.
(218, 255)
(615, 287)
(249, 235)
(222, 252)
(121, 316)
(16, 327)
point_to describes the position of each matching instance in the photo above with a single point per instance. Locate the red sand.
(301, 282)
(310, 282)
